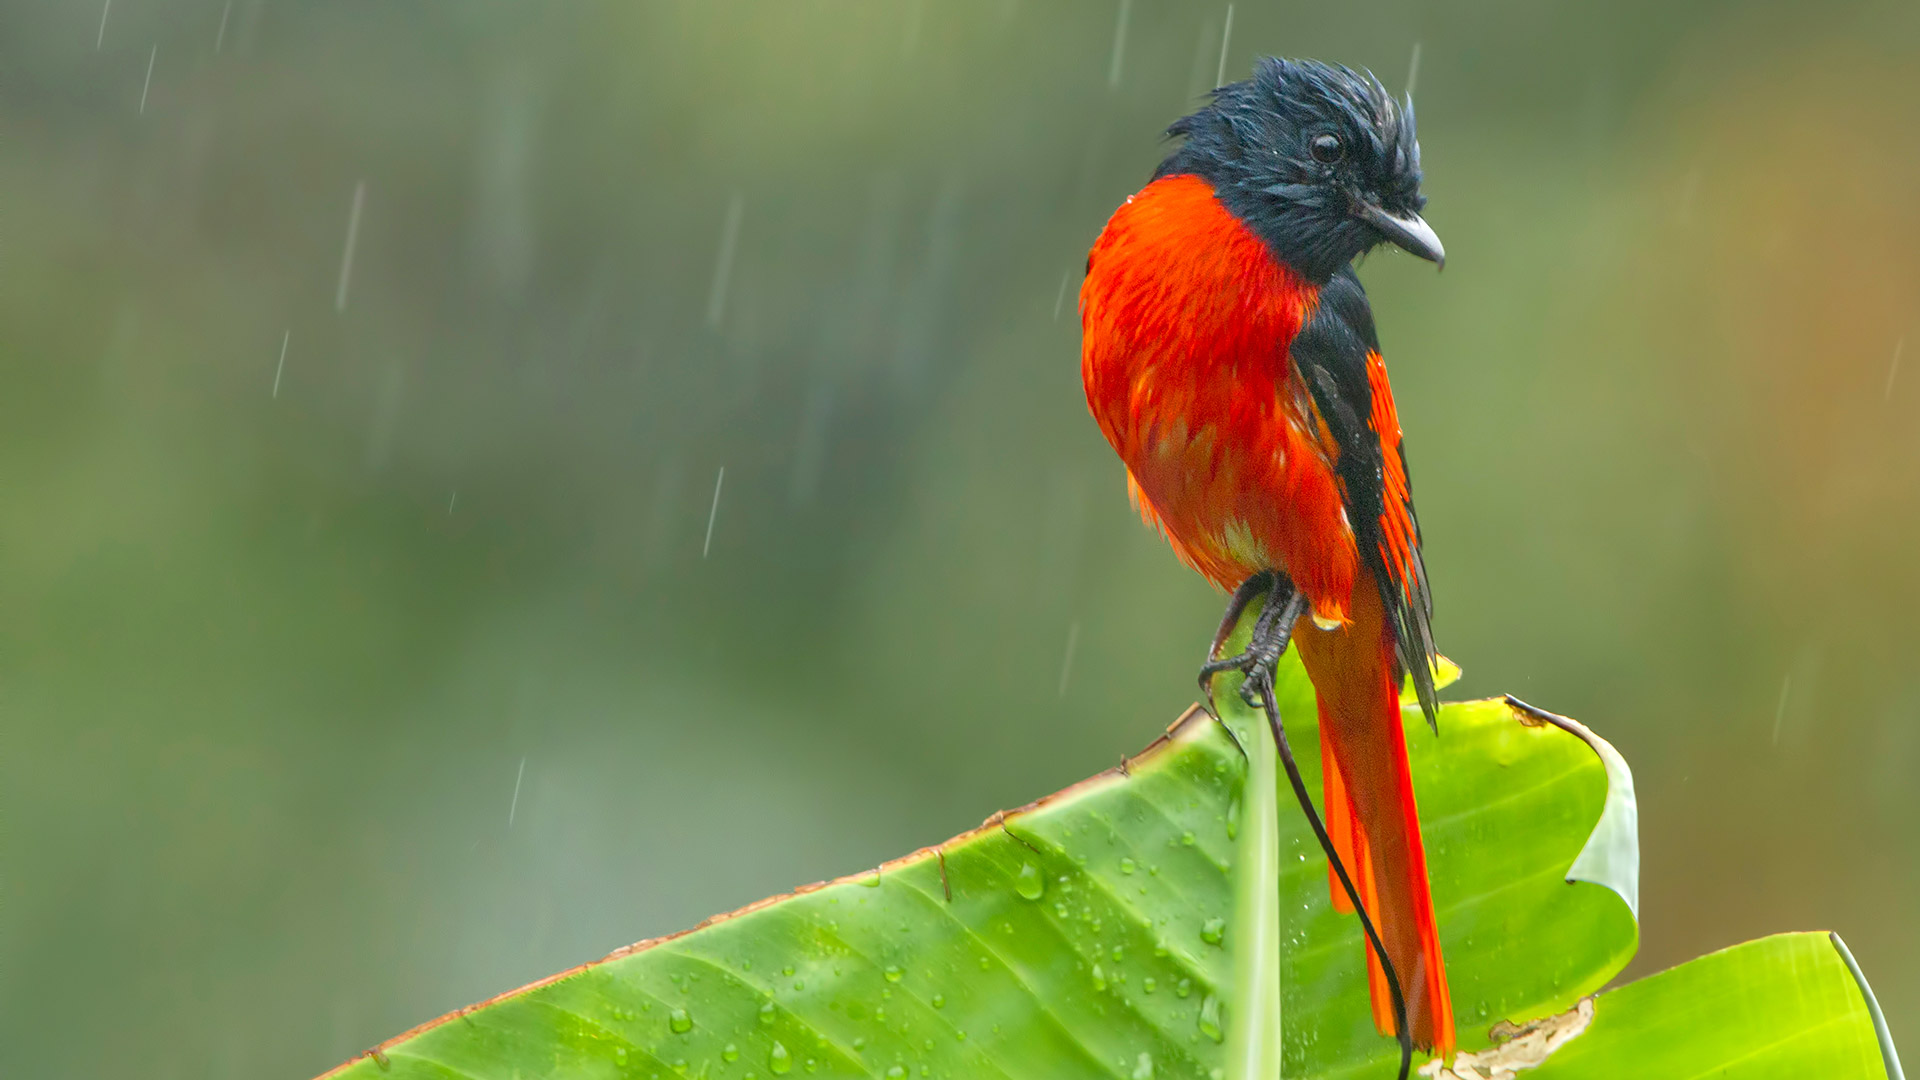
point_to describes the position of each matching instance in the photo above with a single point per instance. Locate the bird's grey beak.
(1410, 232)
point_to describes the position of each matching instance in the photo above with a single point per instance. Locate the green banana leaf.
(1787, 1005)
(1102, 931)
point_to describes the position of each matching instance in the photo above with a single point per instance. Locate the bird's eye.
(1328, 149)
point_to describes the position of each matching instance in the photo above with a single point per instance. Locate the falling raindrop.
(713, 513)
(1119, 44)
(1029, 883)
(285, 337)
(1066, 662)
(346, 253)
(514, 806)
(1226, 36)
(723, 265)
(148, 85)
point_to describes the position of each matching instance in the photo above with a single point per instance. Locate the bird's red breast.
(1186, 324)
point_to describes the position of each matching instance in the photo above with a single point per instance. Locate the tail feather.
(1338, 813)
(1371, 816)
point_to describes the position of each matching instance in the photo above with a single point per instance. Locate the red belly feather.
(1186, 321)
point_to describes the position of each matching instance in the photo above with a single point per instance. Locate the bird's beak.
(1410, 232)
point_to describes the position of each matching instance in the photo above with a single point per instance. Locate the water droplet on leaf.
(1028, 882)
(1210, 1019)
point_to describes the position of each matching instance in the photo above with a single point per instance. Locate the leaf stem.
(1253, 1023)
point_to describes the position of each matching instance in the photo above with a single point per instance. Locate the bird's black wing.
(1337, 356)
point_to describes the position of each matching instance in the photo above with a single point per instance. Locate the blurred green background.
(341, 692)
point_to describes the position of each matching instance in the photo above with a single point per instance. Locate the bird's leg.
(1236, 606)
(1272, 632)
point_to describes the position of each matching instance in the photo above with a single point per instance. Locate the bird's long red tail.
(1370, 813)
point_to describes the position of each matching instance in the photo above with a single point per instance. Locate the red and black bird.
(1230, 358)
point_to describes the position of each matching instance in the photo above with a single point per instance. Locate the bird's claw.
(1249, 664)
(1250, 695)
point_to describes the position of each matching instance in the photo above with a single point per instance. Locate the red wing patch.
(1398, 539)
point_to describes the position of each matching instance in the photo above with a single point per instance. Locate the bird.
(1230, 357)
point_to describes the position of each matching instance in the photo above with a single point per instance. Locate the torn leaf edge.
(1611, 856)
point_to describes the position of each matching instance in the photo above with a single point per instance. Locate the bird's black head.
(1315, 158)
